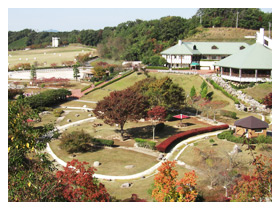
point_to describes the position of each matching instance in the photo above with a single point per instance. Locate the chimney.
(180, 42)
(260, 36)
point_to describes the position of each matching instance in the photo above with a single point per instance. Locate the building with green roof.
(253, 64)
(205, 54)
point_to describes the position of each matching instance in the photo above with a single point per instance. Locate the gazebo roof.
(256, 56)
(251, 122)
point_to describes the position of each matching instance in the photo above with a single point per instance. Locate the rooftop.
(251, 122)
(205, 48)
(255, 56)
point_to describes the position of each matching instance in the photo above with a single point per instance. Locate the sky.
(69, 19)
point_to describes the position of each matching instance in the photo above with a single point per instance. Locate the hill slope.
(223, 35)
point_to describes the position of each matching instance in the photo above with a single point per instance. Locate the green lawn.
(259, 91)
(113, 160)
(119, 85)
(138, 129)
(67, 53)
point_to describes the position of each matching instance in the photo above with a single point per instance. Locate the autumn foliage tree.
(78, 185)
(268, 100)
(121, 106)
(168, 189)
(257, 186)
(156, 114)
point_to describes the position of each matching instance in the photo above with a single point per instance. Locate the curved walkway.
(148, 171)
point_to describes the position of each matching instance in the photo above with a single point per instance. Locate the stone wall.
(253, 105)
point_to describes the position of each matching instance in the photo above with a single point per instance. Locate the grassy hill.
(21, 43)
(223, 35)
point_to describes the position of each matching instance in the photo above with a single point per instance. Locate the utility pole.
(237, 19)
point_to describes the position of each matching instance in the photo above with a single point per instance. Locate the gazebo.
(251, 127)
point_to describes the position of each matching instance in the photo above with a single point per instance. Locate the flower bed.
(173, 140)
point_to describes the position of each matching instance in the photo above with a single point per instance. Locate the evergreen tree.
(193, 92)
(33, 73)
(203, 85)
(76, 72)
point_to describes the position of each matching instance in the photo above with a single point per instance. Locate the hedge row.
(216, 86)
(157, 67)
(227, 113)
(228, 135)
(110, 82)
(85, 88)
(173, 140)
(145, 143)
(37, 68)
(186, 68)
(103, 142)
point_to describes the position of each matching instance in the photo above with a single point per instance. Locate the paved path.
(147, 172)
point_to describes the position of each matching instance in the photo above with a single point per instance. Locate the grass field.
(119, 85)
(113, 160)
(48, 55)
(138, 129)
(259, 91)
(222, 34)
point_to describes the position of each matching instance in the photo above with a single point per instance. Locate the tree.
(76, 72)
(78, 185)
(162, 92)
(121, 106)
(33, 74)
(156, 114)
(268, 100)
(255, 187)
(215, 106)
(168, 189)
(30, 176)
(193, 92)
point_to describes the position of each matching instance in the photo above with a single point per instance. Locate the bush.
(159, 127)
(85, 88)
(263, 139)
(171, 141)
(58, 112)
(102, 142)
(76, 141)
(216, 86)
(157, 67)
(13, 92)
(228, 135)
(227, 113)
(211, 141)
(170, 117)
(48, 98)
(145, 143)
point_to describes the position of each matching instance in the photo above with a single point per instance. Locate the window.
(214, 57)
(214, 47)
(174, 56)
(204, 57)
(194, 47)
(242, 47)
(258, 130)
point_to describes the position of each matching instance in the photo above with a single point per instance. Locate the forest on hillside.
(139, 40)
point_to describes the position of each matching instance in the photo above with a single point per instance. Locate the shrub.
(42, 85)
(76, 141)
(58, 112)
(145, 143)
(211, 141)
(227, 113)
(85, 88)
(170, 117)
(216, 86)
(263, 139)
(13, 92)
(102, 142)
(159, 127)
(162, 147)
(157, 67)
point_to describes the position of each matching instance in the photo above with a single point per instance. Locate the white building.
(55, 41)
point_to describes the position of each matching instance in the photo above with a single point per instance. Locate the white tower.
(55, 41)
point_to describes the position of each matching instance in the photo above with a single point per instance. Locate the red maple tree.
(77, 183)
(255, 187)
